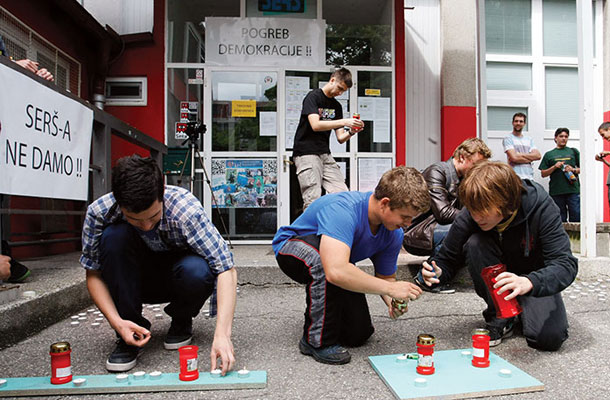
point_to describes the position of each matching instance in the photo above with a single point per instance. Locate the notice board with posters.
(245, 183)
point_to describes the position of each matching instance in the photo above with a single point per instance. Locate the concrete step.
(59, 285)
(602, 237)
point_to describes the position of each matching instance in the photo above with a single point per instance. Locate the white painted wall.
(423, 68)
(124, 16)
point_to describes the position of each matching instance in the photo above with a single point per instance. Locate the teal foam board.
(41, 385)
(454, 377)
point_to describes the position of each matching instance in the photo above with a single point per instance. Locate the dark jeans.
(135, 274)
(333, 315)
(568, 203)
(544, 319)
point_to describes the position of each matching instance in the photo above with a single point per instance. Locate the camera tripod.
(193, 153)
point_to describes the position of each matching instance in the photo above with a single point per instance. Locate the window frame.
(141, 100)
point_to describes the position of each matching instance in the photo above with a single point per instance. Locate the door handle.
(286, 162)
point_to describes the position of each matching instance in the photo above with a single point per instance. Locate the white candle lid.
(79, 381)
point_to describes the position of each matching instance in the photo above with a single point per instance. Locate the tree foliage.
(358, 44)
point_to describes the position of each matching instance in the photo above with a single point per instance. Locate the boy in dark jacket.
(443, 179)
(514, 222)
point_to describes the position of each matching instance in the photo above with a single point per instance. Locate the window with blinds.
(508, 27)
(501, 118)
(561, 97)
(509, 76)
(559, 25)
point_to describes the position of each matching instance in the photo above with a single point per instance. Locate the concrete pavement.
(268, 323)
(267, 326)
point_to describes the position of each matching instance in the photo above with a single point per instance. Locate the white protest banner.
(265, 41)
(45, 139)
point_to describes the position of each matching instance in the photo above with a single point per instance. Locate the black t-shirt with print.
(306, 141)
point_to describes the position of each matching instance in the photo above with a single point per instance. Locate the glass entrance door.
(374, 153)
(297, 85)
(366, 156)
(241, 152)
(184, 104)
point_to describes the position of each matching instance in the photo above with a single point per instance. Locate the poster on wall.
(264, 41)
(370, 171)
(378, 111)
(245, 183)
(297, 88)
(267, 123)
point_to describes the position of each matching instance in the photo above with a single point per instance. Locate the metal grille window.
(14, 49)
(22, 42)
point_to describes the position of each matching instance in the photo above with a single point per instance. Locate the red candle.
(61, 368)
(480, 348)
(188, 363)
(425, 350)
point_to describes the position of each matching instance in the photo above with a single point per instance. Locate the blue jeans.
(568, 203)
(134, 274)
(440, 233)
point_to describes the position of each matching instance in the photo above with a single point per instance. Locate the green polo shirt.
(559, 183)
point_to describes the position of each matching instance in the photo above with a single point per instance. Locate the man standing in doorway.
(321, 113)
(520, 149)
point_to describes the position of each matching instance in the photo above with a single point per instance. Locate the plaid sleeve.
(92, 233)
(205, 240)
(95, 221)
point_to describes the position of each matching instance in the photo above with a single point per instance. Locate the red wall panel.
(607, 148)
(400, 71)
(143, 59)
(457, 124)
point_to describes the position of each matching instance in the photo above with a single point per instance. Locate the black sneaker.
(497, 333)
(180, 334)
(443, 288)
(19, 272)
(334, 354)
(123, 358)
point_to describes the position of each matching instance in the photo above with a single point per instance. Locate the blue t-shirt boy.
(344, 216)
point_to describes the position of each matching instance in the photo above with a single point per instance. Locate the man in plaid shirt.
(150, 243)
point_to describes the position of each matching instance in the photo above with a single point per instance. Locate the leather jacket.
(443, 183)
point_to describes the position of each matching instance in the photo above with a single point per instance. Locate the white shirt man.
(520, 149)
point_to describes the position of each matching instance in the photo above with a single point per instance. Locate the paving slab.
(59, 285)
(268, 323)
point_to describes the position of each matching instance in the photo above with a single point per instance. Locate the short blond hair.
(491, 186)
(405, 187)
(470, 147)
